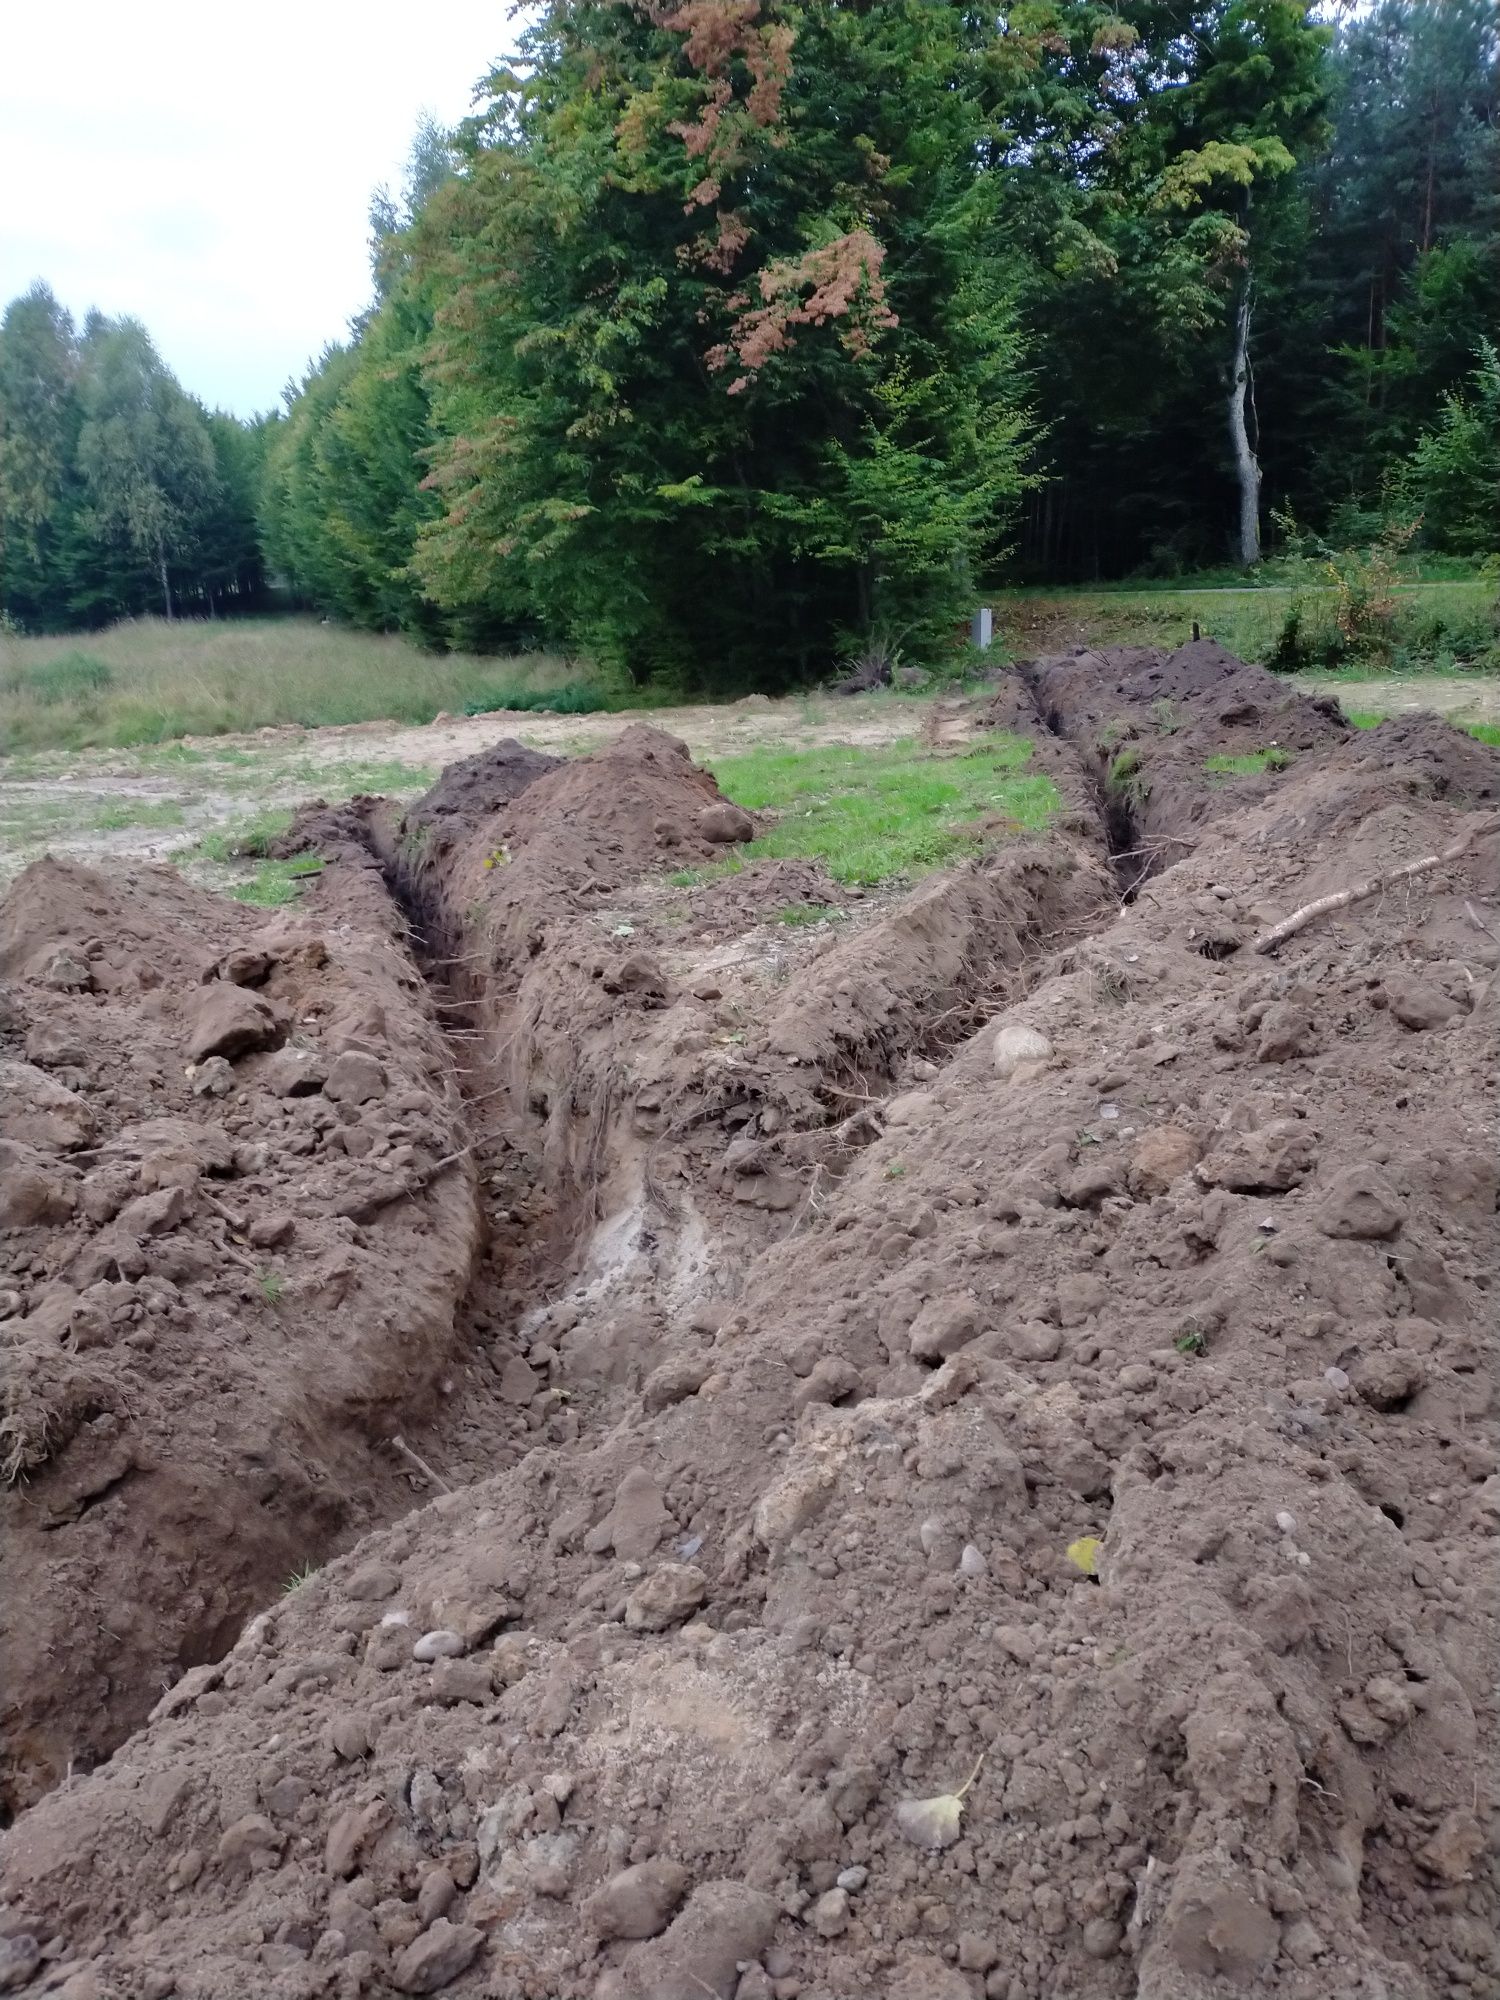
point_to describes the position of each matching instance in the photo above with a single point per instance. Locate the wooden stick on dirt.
(400, 1444)
(1300, 919)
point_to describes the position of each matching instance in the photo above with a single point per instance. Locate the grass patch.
(1487, 732)
(572, 698)
(869, 815)
(277, 882)
(809, 913)
(147, 682)
(122, 813)
(1444, 624)
(72, 676)
(1250, 765)
(244, 837)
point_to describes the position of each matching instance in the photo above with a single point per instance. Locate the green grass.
(1444, 624)
(147, 681)
(796, 914)
(869, 815)
(1483, 732)
(1250, 765)
(122, 813)
(251, 836)
(277, 882)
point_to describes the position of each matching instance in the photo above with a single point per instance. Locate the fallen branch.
(400, 1444)
(1300, 919)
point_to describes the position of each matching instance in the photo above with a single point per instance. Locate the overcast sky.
(208, 169)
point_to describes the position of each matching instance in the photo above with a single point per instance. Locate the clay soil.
(564, 1440)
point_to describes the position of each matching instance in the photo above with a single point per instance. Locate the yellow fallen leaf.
(935, 1823)
(1084, 1554)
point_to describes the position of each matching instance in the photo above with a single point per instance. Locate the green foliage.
(117, 491)
(1453, 475)
(572, 698)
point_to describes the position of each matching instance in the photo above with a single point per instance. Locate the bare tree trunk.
(1246, 464)
(166, 586)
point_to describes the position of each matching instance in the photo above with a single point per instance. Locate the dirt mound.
(201, 1342)
(1171, 741)
(1013, 1458)
(481, 784)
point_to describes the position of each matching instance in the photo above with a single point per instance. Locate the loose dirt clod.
(785, 1346)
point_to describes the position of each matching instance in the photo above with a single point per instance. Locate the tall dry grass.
(148, 681)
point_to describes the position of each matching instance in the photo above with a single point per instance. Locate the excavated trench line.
(1180, 1787)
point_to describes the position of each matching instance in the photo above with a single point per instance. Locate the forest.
(730, 338)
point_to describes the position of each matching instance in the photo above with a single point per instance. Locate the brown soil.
(835, 1282)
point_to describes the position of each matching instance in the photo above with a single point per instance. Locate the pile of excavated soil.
(203, 1328)
(1012, 1483)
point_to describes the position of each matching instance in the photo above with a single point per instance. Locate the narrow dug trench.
(997, 1344)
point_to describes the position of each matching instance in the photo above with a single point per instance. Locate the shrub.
(70, 677)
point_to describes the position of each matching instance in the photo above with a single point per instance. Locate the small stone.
(518, 1381)
(373, 1582)
(1361, 1205)
(724, 823)
(1416, 1003)
(354, 1078)
(227, 1020)
(853, 1878)
(454, 1681)
(975, 1953)
(349, 1737)
(54, 1045)
(19, 1958)
(66, 971)
(439, 1645)
(252, 1842)
(674, 1382)
(1388, 1381)
(437, 1957)
(153, 1214)
(1286, 1031)
(830, 1913)
(435, 1895)
(213, 1078)
(1452, 1851)
(669, 1594)
(723, 1926)
(639, 1901)
(971, 1561)
(944, 1325)
(292, 1072)
(1160, 1157)
(1102, 1937)
(1017, 1044)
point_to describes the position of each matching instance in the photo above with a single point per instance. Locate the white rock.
(439, 1645)
(1016, 1044)
(1286, 1522)
(972, 1562)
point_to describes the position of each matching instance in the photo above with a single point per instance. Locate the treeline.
(119, 493)
(730, 336)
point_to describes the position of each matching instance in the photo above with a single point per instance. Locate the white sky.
(208, 168)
